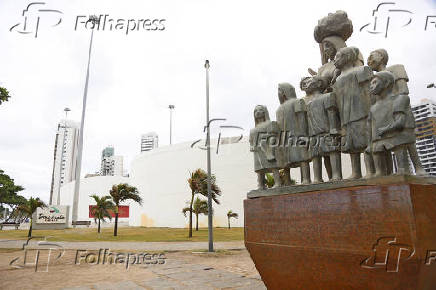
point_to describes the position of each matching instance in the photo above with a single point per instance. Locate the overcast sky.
(251, 45)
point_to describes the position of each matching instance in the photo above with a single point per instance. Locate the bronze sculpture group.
(348, 108)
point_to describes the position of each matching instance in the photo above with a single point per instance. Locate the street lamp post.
(209, 191)
(66, 110)
(171, 107)
(94, 20)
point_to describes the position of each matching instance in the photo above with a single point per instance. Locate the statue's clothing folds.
(264, 140)
(292, 120)
(321, 141)
(353, 100)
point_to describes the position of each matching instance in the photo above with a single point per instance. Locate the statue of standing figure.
(378, 60)
(323, 121)
(263, 139)
(291, 117)
(390, 124)
(331, 33)
(353, 99)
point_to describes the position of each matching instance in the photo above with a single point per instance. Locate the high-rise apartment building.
(65, 155)
(425, 118)
(111, 164)
(149, 141)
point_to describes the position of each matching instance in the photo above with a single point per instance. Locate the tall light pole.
(94, 20)
(171, 107)
(209, 191)
(66, 110)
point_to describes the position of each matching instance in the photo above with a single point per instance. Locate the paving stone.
(230, 283)
(124, 285)
(162, 283)
(254, 285)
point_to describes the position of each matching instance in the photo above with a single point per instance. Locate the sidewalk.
(143, 246)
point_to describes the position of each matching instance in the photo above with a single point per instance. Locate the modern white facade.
(425, 118)
(149, 141)
(99, 185)
(161, 176)
(65, 154)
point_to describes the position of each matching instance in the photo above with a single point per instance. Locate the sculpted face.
(259, 114)
(304, 83)
(313, 84)
(341, 59)
(329, 49)
(375, 60)
(376, 86)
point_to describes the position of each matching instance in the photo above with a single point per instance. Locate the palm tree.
(101, 210)
(199, 207)
(198, 184)
(28, 208)
(122, 192)
(269, 180)
(4, 95)
(230, 215)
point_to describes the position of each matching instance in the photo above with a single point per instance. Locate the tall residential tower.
(425, 118)
(65, 155)
(149, 141)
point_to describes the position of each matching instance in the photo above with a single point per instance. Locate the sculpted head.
(314, 84)
(260, 114)
(382, 83)
(286, 91)
(330, 46)
(303, 83)
(378, 59)
(346, 56)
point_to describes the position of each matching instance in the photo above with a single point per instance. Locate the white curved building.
(161, 176)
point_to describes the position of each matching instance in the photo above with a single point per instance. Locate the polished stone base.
(362, 237)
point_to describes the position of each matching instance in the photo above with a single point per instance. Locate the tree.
(101, 210)
(198, 184)
(28, 208)
(269, 179)
(120, 193)
(230, 215)
(199, 207)
(9, 193)
(4, 95)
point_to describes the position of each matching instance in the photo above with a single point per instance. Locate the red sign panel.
(123, 211)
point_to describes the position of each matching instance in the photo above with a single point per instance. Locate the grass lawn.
(129, 234)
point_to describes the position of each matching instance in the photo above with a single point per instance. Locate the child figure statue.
(377, 60)
(323, 122)
(263, 143)
(391, 125)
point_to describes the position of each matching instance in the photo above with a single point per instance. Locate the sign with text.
(53, 214)
(123, 211)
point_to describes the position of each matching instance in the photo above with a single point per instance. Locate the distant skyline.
(251, 45)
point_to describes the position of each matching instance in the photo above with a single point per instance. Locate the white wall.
(161, 178)
(99, 185)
